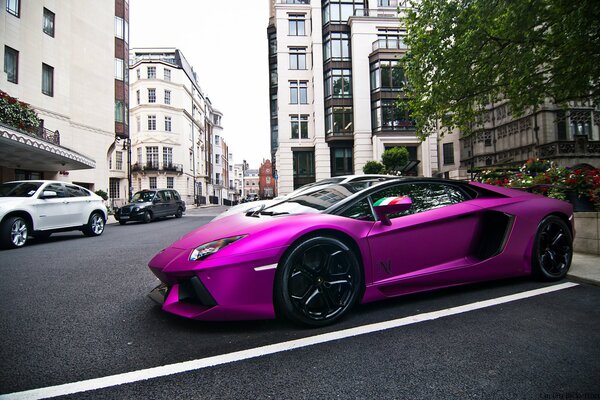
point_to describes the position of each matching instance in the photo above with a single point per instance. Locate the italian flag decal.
(389, 200)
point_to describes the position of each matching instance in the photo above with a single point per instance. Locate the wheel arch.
(99, 210)
(22, 214)
(564, 218)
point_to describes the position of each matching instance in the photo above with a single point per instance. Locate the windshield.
(143, 197)
(19, 189)
(318, 200)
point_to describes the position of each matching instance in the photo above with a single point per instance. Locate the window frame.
(51, 17)
(297, 58)
(14, 10)
(8, 49)
(50, 70)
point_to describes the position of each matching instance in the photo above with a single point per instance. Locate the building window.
(338, 83)
(119, 27)
(151, 72)
(47, 80)
(13, 7)
(151, 122)
(217, 159)
(170, 182)
(167, 97)
(303, 167)
(48, 25)
(151, 95)
(11, 64)
(388, 116)
(152, 181)
(138, 121)
(341, 161)
(297, 58)
(119, 160)
(113, 188)
(384, 3)
(448, 150)
(336, 47)
(167, 124)
(139, 156)
(119, 111)
(119, 69)
(138, 73)
(167, 156)
(299, 126)
(152, 156)
(137, 94)
(297, 25)
(338, 121)
(341, 10)
(167, 74)
(387, 76)
(217, 140)
(298, 92)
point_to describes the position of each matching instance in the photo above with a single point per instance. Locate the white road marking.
(171, 369)
(265, 267)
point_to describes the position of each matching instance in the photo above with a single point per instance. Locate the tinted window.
(424, 196)
(167, 195)
(75, 191)
(316, 201)
(160, 196)
(56, 187)
(361, 211)
(176, 195)
(19, 189)
(143, 197)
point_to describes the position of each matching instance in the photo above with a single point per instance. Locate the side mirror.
(391, 205)
(49, 194)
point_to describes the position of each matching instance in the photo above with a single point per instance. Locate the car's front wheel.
(147, 217)
(318, 282)
(14, 232)
(552, 249)
(179, 213)
(95, 225)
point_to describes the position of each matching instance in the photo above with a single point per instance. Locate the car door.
(435, 234)
(160, 206)
(169, 202)
(51, 212)
(78, 205)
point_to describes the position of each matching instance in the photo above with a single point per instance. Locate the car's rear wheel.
(318, 282)
(14, 232)
(552, 249)
(95, 225)
(147, 217)
(179, 213)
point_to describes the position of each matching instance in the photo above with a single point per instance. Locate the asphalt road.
(75, 308)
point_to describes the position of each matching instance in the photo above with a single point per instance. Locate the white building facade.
(72, 69)
(334, 83)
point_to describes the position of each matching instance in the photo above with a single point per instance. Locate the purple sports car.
(312, 257)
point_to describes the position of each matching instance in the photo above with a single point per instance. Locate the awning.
(20, 150)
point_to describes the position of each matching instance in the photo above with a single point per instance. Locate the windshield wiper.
(273, 212)
(255, 212)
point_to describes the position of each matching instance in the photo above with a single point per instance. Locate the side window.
(167, 195)
(361, 211)
(56, 187)
(74, 191)
(176, 195)
(160, 196)
(424, 196)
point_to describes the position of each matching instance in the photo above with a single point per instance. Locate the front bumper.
(132, 216)
(219, 289)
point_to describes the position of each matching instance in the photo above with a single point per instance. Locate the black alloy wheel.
(553, 249)
(179, 213)
(147, 217)
(318, 282)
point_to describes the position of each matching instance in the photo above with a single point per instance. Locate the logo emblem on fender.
(386, 266)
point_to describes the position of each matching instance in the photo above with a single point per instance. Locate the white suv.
(40, 208)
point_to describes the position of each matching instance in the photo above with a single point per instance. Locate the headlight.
(135, 209)
(209, 248)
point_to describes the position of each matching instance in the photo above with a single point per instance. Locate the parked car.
(149, 204)
(312, 257)
(257, 204)
(40, 208)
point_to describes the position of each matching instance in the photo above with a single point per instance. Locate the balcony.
(390, 43)
(294, 1)
(156, 167)
(580, 147)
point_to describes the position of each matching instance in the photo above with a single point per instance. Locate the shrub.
(374, 167)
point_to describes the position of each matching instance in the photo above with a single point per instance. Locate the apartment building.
(266, 183)
(568, 136)
(251, 183)
(177, 137)
(72, 69)
(334, 82)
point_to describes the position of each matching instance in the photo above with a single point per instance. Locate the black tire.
(552, 249)
(95, 225)
(122, 222)
(14, 232)
(317, 282)
(147, 217)
(179, 213)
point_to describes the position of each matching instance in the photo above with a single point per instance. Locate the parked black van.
(149, 204)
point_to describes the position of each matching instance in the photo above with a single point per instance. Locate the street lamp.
(127, 147)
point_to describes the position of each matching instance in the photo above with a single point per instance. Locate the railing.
(295, 1)
(390, 43)
(580, 146)
(381, 13)
(150, 166)
(41, 133)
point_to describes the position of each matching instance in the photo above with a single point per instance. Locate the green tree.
(394, 159)
(374, 167)
(467, 53)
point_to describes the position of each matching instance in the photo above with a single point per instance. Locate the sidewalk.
(585, 268)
